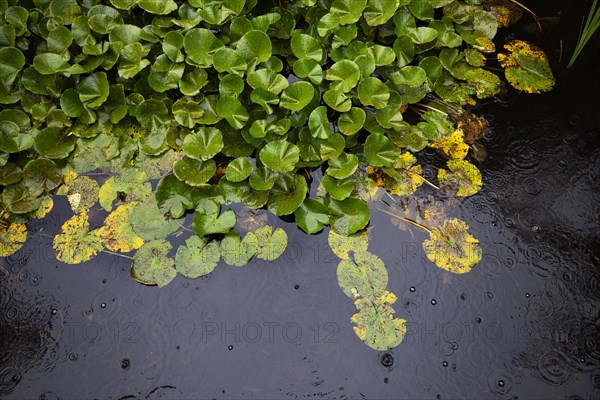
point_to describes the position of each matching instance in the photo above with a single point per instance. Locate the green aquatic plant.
(592, 23)
(175, 117)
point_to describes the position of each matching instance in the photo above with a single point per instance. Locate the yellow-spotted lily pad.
(76, 244)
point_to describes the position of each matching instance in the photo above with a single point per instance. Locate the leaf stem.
(537, 19)
(410, 221)
(116, 254)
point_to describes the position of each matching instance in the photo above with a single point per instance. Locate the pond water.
(523, 324)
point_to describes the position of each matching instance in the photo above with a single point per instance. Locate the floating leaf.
(151, 264)
(343, 245)
(81, 192)
(238, 169)
(76, 244)
(311, 216)
(350, 215)
(372, 92)
(197, 258)
(194, 172)
(203, 144)
(297, 96)
(526, 67)
(452, 248)
(345, 74)
(343, 166)
(352, 121)
(375, 322)
(12, 238)
(454, 146)
(132, 182)
(212, 223)
(237, 252)
(306, 47)
(280, 155)
(287, 194)
(464, 175)
(380, 151)
(365, 276)
(117, 233)
(255, 47)
(55, 142)
(149, 223)
(271, 243)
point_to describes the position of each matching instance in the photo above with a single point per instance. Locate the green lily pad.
(151, 265)
(280, 156)
(352, 121)
(149, 223)
(345, 75)
(197, 258)
(306, 47)
(373, 92)
(55, 142)
(237, 252)
(297, 96)
(343, 166)
(203, 144)
(375, 322)
(349, 215)
(311, 216)
(213, 223)
(11, 138)
(194, 172)
(365, 276)
(287, 194)
(238, 169)
(380, 151)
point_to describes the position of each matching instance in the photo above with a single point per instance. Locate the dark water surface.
(523, 324)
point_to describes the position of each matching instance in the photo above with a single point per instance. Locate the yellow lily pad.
(463, 175)
(453, 147)
(452, 248)
(81, 192)
(12, 238)
(342, 245)
(117, 233)
(526, 67)
(76, 244)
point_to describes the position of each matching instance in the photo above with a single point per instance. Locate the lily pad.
(203, 144)
(81, 191)
(365, 276)
(197, 258)
(311, 216)
(12, 238)
(452, 248)
(76, 244)
(149, 223)
(271, 243)
(344, 245)
(464, 175)
(151, 265)
(194, 172)
(349, 216)
(280, 155)
(237, 252)
(117, 232)
(526, 67)
(375, 322)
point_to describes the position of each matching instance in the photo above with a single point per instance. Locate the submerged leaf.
(76, 244)
(12, 238)
(452, 248)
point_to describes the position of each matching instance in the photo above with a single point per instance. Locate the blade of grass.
(591, 25)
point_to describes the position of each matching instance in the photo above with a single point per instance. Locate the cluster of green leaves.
(236, 101)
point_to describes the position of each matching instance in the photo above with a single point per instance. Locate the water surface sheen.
(522, 324)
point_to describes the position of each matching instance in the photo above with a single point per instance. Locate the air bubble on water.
(433, 302)
(103, 305)
(412, 289)
(445, 364)
(230, 347)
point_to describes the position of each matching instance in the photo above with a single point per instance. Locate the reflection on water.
(524, 323)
